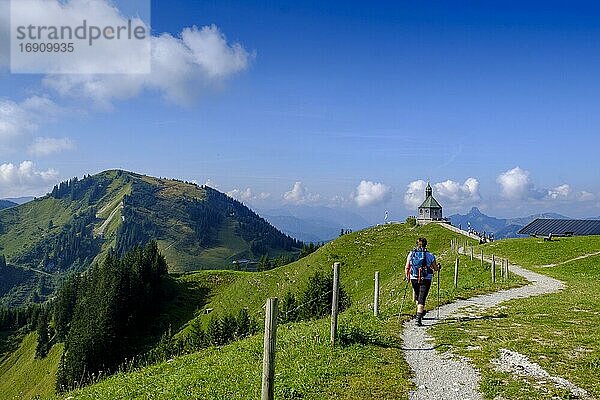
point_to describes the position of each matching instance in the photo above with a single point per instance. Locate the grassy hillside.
(558, 331)
(369, 362)
(24, 377)
(81, 220)
(382, 248)
(52, 235)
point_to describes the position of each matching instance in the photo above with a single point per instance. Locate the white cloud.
(124, 53)
(415, 194)
(43, 146)
(340, 201)
(586, 196)
(370, 193)
(208, 48)
(300, 195)
(457, 193)
(517, 185)
(247, 195)
(25, 179)
(182, 69)
(562, 191)
(240, 194)
(18, 121)
(14, 120)
(449, 192)
(212, 184)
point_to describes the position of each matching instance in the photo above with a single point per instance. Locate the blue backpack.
(418, 265)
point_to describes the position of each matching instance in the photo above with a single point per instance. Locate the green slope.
(558, 331)
(24, 377)
(81, 220)
(368, 364)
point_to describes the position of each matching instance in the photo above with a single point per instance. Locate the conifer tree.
(289, 308)
(43, 344)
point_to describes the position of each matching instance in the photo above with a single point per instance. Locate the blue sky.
(495, 104)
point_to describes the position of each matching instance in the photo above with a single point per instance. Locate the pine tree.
(264, 264)
(245, 325)
(43, 344)
(316, 299)
(215, 331)
(230, 328)
(289, 308)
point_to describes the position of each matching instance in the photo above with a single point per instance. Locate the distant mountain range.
(21, 200)
(502, 228)
(314, 223)
(6, 204)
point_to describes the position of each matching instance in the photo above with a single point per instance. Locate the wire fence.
(283, 316)
(389, 295)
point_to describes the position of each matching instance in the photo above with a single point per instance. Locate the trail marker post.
(268, 378)
(376, 295)
(456, 274)
(493, 269)
(335, 301)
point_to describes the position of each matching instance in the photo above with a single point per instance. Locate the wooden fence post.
(376, 295)
(268, 378)
(507, 270)
(334, 303)
(456, 274)
(493, 269)
(481, 257)
(471, 253)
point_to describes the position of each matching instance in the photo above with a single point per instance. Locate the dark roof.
(577, 227)
(430, 202)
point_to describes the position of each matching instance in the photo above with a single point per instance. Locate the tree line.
(99, 314)
(24, 317)
(92, 188)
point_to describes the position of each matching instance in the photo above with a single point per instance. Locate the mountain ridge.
(501, 227)
(81, 220)
(314, 223)
(20, 200)
(7, 204)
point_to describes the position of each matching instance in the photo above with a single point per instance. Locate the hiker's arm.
(407, 267)
(435, 266)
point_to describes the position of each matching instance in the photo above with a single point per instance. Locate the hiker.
(420, 265)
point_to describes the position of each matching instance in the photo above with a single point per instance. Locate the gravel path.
(445, 375)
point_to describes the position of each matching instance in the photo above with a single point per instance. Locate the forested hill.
(196, 227)
(6, 204)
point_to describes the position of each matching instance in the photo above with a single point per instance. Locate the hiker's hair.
(422, 242)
